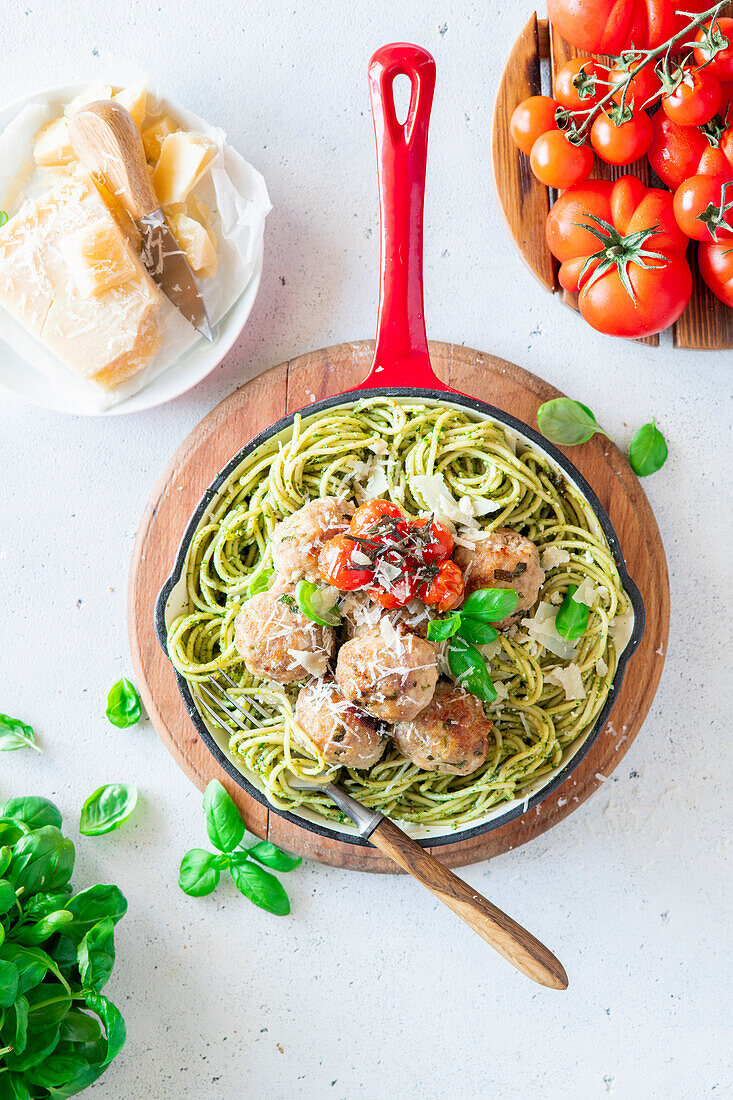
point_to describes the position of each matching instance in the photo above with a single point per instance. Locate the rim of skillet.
(490, 412)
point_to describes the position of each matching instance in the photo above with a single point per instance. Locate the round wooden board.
(291, 386)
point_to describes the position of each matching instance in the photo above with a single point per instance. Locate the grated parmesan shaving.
(552, 557)
(586, 592)
(569, 679)
(541, 627)
(315, 664)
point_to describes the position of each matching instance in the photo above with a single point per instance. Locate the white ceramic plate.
(20, 378)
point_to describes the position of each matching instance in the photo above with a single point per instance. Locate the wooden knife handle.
(516, 944)
(107, 141)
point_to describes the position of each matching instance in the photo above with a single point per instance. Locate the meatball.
(389, 673)
(276, 641)
(297, 540)
(504, 559)
(343, 733)
(451, 735)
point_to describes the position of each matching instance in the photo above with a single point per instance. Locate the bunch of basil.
(58, 1032)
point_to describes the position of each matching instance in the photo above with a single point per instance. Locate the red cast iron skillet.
(401, 368)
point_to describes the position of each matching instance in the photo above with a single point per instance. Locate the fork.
(505, 935)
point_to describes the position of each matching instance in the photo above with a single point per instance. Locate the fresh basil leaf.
(107, 808)
(7, 896)
(8, 983)
(469, 668)
(572, 617)
(48, 1003)
(273, 857)
(40, 905)
(44, 928)
(31, 963)
(10, 831)
(40, 1042)
(18, 1088)
(567, 422)
(114, 1025)
(57, 1069)
(440, 629)
(648, 450)
(77, 1027)
(475, 630)
(6, 854)
(310, 600)
(15, 734)
(19, 1033)
(32, 810)
(97, 955)
(223, 820)
(261, 888)
(490, 604)
(123, 704)
(260, 582)
(90, 906)
(199, 874)
(42, 861)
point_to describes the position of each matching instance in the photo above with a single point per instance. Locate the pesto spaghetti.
(550, 691)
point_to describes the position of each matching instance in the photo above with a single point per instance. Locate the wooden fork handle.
(516, 944)
(107, 142)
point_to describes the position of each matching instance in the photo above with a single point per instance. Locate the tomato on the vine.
(445, 590)
(715, 261)
(621, 142)
(335, 565)
(700, 208)
(643, 85)
(696, 98)
(678, 152)
(557, 162)
(620, 247)
(579, 83)
(532, 118)
(722, 62)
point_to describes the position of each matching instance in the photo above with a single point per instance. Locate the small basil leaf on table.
(261, 888)
(223, 820)
(648, 450)
(123, 704)
(572, 617)
(107, 808)
(310, 600)
(96, 955)
(469, 668)
(273, 857)
(199, 873)
(477, 631)
(440, 629)
(490, 604)
(567, 422)
(15, 734)
(32, 811)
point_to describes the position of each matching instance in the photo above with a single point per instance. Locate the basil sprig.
(572, 617)
(107, 808)
(469, 668)
(200, 870)
(309, 598)
(15, 734)
(648, 450)
(471, 627)
(58, 1032)
(123, 704)
(567, 422)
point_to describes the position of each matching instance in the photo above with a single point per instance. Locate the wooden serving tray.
(289, 387)
(707, 323)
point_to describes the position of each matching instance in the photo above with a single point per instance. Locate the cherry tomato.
(643, 85)
(693, 198)
(695, 100)
(579, 83)
(400, 592)
(440, 546)
(623, 143)
(334, 565)
(556, 162)
(722, 63)
(444, 591)
(716, 267)
(532, 118)
(368, 515)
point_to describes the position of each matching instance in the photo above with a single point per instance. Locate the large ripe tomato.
(642, 86)
(610, 26)
(716, 267)
(533, 117)
(579, 83)
(556, 162)
(603, 233)
(678, 152)
(696, 99)
(621, 142)
(697, 208)
(722, 63)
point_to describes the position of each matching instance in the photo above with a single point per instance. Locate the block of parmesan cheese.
(53, 144)
(135, 100)
(155, 134)
(70, 277)
(196, 242)
(184, 157)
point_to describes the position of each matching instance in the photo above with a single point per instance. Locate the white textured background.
(371, 988)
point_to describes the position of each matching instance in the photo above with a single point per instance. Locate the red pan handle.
(401, 354)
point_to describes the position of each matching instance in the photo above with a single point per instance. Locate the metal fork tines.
(252, 711)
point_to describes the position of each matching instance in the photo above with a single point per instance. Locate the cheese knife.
(108, 143)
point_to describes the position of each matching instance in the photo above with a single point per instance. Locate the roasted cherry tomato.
(399, 593)
(580, 83)
(369, 515)
(643, 85)
(440, 546)
(695, 100)
(697, 208)
(444, 591)
(336, 567)
(722, 63)
(556, 162)
(715, 261)
(532, 118)
(624, 142)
